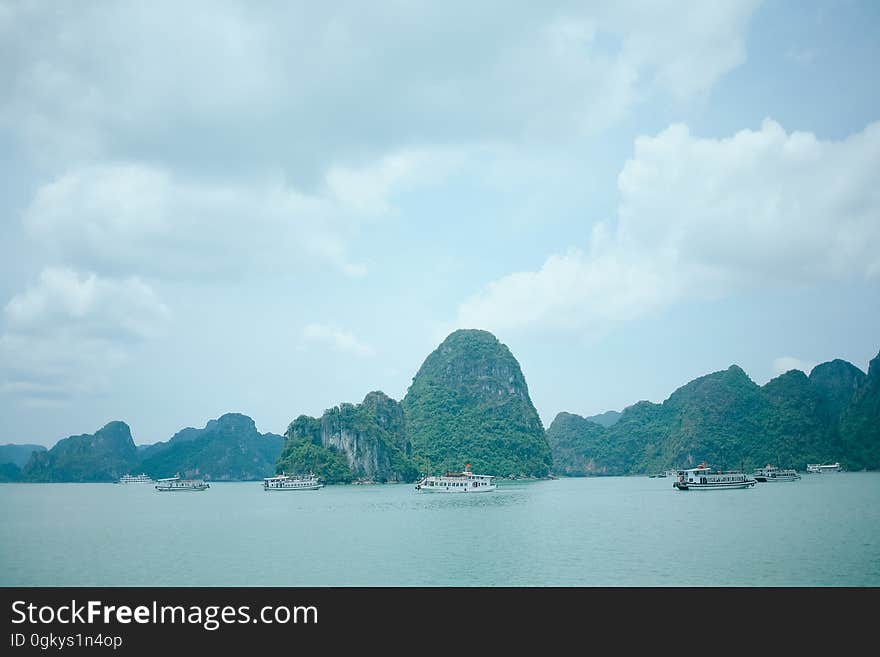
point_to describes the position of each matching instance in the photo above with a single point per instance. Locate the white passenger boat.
(818, 468)
(457, 482)
(704, 478)
(176, 484)
(286, 482)
(136, 479)
(772, 473)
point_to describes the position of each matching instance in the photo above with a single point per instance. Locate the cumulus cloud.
(299, 86)
(206, 141)
(130, 217)
(123, 218)
(65, 335)
(337, 339)
(64, 299)
(700, 218)
(368, 190)
(783, 364)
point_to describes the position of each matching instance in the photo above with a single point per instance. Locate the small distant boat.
(458, 482)
(136, 479)
(819, 468)
(175, 484)
(659, 475)
(772, 473)
(286, 482)
(704, 478)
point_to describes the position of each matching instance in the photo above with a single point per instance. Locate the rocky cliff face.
(860, 422)
(372, 436)
(469, 403)
(105, 455)
(365, 441)
(836, 382)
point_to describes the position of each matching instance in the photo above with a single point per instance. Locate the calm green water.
(823, 530)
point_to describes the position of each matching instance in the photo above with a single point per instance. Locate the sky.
(271, 208)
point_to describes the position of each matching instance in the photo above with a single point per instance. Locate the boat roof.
(311, 475)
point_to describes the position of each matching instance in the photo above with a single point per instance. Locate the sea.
(820, 531)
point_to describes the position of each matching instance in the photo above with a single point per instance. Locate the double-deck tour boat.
(457, 482)
(286, 482)
(772, 473)
(136, 479)
(704, 478)
(818, 468)
(175, 484)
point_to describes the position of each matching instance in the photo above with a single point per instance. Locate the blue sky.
(272, 209)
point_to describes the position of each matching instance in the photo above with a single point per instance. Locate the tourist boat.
(457, 482)
(135, 479)
(704, 478)
(286, 482)
(174, 484)
(772, 473)
(818, 468)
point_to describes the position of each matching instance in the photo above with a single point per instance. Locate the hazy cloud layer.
(701, 218)
(135, 218)
(234, 86)
(336, 338)
(211, 139)
(66, 334)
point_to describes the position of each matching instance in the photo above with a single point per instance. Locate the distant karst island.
(469, 403)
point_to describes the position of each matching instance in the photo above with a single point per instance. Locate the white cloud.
(685, 48)
(367, 190)
(298, 86)
(783, 364)
(132, 217)
(700, 218)
(122, 218)
(337, 339)
(64, 299)
(66, 335)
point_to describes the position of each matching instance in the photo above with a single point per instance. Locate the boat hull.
(720, 486)
(815, 468)
(463, 489)
(279, 488)
(182, 489)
